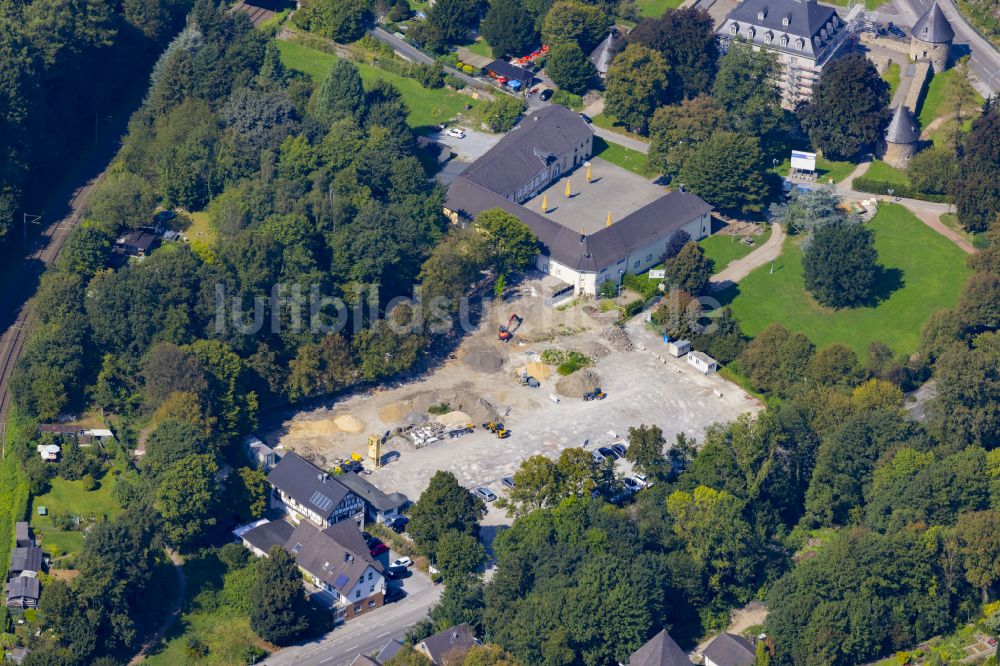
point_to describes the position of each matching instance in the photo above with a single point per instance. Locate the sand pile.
(575, 385)
(454, 419)
(618, 338)
(537, 370)
(594, 349)
(349, 423)
(483, 360)
(313, 428)
(394, 412)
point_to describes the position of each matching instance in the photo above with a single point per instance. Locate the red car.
(377, 548)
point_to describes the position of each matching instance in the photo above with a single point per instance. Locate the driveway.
(369, 632)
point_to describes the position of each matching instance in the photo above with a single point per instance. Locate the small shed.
(504, 72)
(702, 362)
(678, 348)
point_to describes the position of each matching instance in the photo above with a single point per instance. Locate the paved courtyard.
(612, 188)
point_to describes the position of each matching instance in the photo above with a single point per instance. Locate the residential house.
(660, 650)
(260, 455)
(803, 35)
(337, 561)
(446, 644)
(378, 506)
(544, 146)
(138, 243)
(25, 558)
(391, 649)
(23, 592)
(729, 650)
(261, 535)
(365, 660)
(303, 490)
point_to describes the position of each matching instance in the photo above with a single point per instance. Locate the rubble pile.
(618, 338)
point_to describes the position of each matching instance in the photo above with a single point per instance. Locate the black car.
(545, 94)
(368, 538)
(608, 453)
(394, 594)
(398, 524)
(395, 573)
(619, 449)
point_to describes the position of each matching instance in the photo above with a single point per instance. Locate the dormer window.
(761, 14)
(733, 29)
(784, 40)
(751, 33)
(800, 44)
(823, 34)
(785, 21)
(817, 41)
(768, 37)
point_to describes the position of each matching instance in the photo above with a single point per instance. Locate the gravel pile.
(483, 360)
(618, 338)
(580, 382)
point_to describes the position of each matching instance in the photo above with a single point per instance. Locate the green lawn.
(481, 48)
(932, 271)
(891, 76)
(624, 157)
(725, 248)
(605, 121)
(69, 497)
(427, 107)
(825, 168)
(935, 97)
(879, 170)
(655, 8)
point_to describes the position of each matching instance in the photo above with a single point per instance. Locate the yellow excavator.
(497, 429)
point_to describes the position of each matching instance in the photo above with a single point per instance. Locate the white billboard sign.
(657, 274)
(803, 161)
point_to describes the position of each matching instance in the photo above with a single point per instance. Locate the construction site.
(500, 399)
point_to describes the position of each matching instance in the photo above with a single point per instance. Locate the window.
(751, 32)
(800, 44)
(761, 14)
(785, 21)
(649, 257)
(768, 37)
(371, 603)
(369, 575)
(734, 28)
(357, 595)
(784, 40)
(371, 590)
(357, 609)
(635, 265)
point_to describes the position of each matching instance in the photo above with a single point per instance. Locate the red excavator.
(507, 332)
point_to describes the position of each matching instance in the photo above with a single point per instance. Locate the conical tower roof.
(933, 27)
(606, 51)
(901, 128)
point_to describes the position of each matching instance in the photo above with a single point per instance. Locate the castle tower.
(930, 39)
(900, 138)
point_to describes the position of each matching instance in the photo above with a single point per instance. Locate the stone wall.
(920, 78)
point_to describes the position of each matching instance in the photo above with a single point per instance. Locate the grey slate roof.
(364, 660)
(730, 650)
(390, 650)
(23, 586)
(806, 18)
(307, 484)
(457, 639)
(266, 535)
(606, 51)
(370, 494)
(337, 555)
(526, 149)
(22, 535)
(660, 650)
(901, 128)
(26, 559)
(933, 27)
(504, 68)
(578, 251)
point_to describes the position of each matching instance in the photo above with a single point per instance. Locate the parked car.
(377, 548)
(598, 456)
(608, 453)
(545, 94)
(508, 481)
(641, 478)
(368, 538)
(394, 594)
(403, 562)
(455, 133)
(633, 485)
(397, 524)
(484, 493)
(395, 573)
(586, 118)
(619, 449)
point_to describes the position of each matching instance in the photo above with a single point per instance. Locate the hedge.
(872, 186)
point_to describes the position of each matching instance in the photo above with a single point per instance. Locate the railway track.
(45, 250)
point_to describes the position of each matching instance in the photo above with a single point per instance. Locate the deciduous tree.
(686, 38)
(745, 88)
(508, 28)
(676, 130)
(636, 85)
(279, 609)
(444, 506)
(570, 68)
(840, 264)
(728, 170)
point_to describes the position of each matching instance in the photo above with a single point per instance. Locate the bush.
(863, 184)
(568, 99)
(454, 82)
(441, 408)
(503, 113)
(633, 307)
(608, 289)
(429, 76)
(567, 362)
(468, 69)
(195, 649)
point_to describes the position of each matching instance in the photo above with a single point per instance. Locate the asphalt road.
(367, 633)
(985, 60)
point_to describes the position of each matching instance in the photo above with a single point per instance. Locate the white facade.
(587, 282)
(350, 507)
(702, 362)
(369, 584)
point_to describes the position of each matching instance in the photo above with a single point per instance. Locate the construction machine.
(505, 333)
(497, 429)
(596, 394)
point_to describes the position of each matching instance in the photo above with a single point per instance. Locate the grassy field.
(722, 249)
(655, 8)
(13, 492)
(825, 168)
(481, 48)
(624, 157)
(879, 170)
(427, 107)
(69, 497)
(935, 97)
(891, 76)
(607, 122)
(931, 271)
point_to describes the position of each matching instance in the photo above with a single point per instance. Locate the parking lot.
(480, 383)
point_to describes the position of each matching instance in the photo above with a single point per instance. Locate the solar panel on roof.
(320, 500)
(341, 580)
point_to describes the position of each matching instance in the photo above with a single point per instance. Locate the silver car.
(484, 493)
